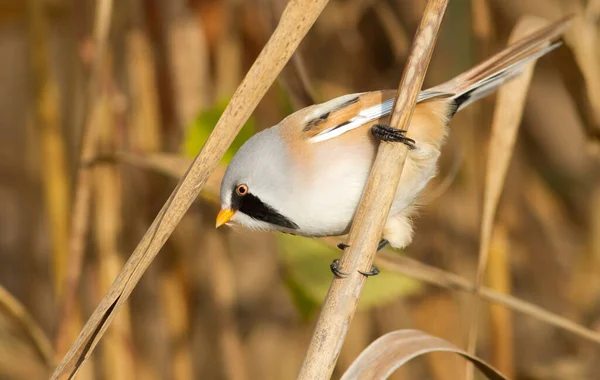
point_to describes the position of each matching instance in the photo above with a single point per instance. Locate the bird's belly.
(329, 196)
(327, 206)
(327, 219)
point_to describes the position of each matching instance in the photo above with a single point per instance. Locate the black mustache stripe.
(257, 209)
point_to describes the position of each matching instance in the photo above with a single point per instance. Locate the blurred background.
(101, 111)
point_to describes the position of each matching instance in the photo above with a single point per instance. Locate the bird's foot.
(343, 246)
(373, 272)
(336, 270)
(386, 133)
(382, 244)
(335, 265)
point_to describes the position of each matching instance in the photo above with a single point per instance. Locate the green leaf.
(200, 128)
(304, 303)
(307, 264)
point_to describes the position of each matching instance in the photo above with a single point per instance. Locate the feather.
(369, 114)
(340, 115)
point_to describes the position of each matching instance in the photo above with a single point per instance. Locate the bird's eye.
(241, 190)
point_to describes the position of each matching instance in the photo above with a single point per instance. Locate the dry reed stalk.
(580, 68)
(357, 339)
(174, 166)
(483, 24)
(393, 28)
(483, 30)
(144, 135)
(54, 167)
(451, 281)
(17, 312)
(294, 76)
(117, 360)
(425, 316)
(551, 215)
(297, 84)
(155, 22)
(80, 216)
(221, 280)
(295, 22)
(510, 104)
(583, 39)
(14, 365)
(593, 10)
(584, 287)
(576, 84)
(228, 60)
(343, 295)
(174, 296)
(188, 54)
(176, 310)
(501, 318)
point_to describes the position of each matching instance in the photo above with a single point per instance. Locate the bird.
(306, 175)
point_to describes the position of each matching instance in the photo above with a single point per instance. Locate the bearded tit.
(306, 175)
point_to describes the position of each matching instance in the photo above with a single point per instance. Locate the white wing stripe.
(365, 116)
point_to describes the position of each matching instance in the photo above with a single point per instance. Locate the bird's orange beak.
(224, 216)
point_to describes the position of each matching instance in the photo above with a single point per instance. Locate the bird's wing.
(327, 120)
(340, 115)
(335, 117)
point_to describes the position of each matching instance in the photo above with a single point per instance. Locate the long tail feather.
(490, 83)
(486, 77)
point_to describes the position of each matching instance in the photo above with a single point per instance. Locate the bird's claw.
(336, 270)
(386, 133)
(335, 265)
(373, 272)
(382, 244)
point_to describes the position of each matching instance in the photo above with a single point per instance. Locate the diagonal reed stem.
(80, 216)
(451, 281)
(343, 296)
(296, 20)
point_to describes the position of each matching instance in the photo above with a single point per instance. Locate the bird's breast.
(327, 193)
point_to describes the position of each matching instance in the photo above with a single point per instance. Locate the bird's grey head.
(254, 187)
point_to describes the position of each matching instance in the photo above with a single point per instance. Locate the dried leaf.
(392, 350)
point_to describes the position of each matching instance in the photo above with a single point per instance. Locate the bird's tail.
(486, 77)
